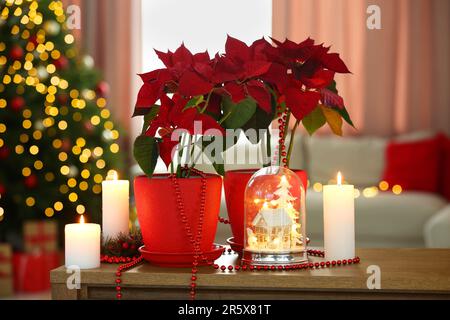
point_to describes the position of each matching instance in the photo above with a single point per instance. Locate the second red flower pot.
(235, 182)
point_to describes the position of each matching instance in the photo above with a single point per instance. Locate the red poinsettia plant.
(246, 87)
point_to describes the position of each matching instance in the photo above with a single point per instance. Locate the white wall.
(201, 24)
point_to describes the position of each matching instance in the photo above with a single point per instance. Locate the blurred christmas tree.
(57, 141)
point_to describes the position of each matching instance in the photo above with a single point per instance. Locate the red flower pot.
(159, 218)
(235, 182)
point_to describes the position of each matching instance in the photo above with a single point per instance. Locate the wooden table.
(405, 273)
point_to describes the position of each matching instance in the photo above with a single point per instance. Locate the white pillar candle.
(339, 220)
(115, 206)
(82, 245)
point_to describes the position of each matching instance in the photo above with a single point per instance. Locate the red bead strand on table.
(304, 266)
(122, 268)
(114, 259)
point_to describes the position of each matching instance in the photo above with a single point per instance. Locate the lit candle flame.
(112, 175)
(339, 178)
(265, 205)
(82, 219)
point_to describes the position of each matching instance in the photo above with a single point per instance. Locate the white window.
(201, 24)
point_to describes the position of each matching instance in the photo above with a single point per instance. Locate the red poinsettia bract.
(192, 87)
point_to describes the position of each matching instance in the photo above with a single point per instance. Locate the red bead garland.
(223, 220)
(306, 265)
(281, 127)
(302, 266)
(123, 268)
(194, 240)
(114, 259)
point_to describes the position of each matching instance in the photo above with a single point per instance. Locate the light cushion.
(361, 160)
(413, 165)
(437, 229)
(415, 136)
(444, 168)
(386, 220)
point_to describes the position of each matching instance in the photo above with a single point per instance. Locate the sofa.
(382, 218)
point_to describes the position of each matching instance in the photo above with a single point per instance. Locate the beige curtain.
(401, 73)
(111, 34)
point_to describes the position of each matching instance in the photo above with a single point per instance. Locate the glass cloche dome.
(274, 218)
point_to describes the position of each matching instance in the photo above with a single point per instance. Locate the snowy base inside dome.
(265, 258)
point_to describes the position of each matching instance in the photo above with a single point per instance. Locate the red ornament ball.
(125, 246)
(63, 98)
(16, 53)
(61, 63)
(102, 89)
(4, 153)
(17, 103)
(33, 40)
(67, 146)
(31, 181)
(88, 126)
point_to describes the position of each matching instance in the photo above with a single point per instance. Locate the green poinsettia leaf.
(344, 114)
(195, 101)
(216, 160)
(220, 168)
(259, 121)
(342, 111)
(146, 152)
(148, 117)
(236, 115)
(314, 120)
(332, 86)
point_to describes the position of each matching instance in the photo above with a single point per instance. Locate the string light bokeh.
(54, 131)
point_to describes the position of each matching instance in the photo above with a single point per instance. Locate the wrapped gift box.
(40, 236)
(32, 270)
(6, 277)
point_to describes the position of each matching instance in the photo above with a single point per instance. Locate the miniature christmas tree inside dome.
(275, 218)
